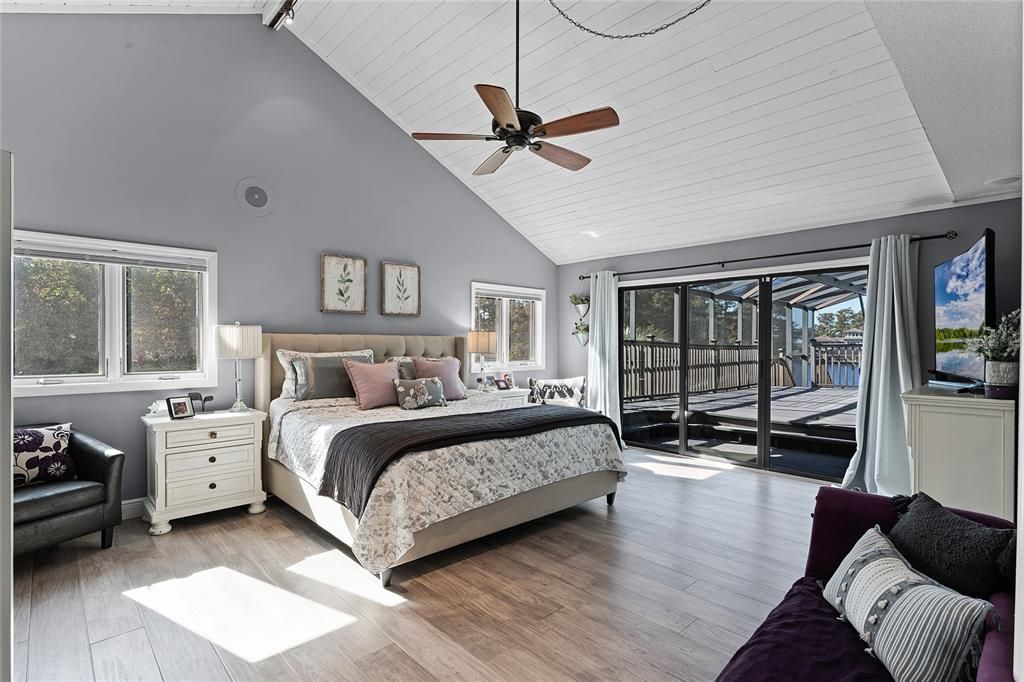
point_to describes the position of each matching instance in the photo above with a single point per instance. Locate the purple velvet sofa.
(801, 638)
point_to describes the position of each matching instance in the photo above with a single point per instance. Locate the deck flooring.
(666, 584)
(795, 405)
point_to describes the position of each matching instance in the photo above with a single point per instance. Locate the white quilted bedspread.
(422, 488)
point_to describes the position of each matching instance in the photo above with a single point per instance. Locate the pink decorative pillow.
(445, 369)
(374, 384)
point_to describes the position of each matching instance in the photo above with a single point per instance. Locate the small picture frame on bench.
(501, 384)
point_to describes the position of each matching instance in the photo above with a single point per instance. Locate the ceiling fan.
(520, 129)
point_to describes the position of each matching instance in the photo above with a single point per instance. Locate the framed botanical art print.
(399, 289)
(342, 284)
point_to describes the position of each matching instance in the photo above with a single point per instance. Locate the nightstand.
(203, 463)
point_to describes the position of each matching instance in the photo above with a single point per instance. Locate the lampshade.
(482, 342)
(239, 342)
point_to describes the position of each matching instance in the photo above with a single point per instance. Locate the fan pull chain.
(599, 34)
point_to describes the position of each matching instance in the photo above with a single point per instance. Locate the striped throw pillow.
(919, 630)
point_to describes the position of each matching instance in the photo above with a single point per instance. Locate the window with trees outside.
(517, 315)
(92, 315)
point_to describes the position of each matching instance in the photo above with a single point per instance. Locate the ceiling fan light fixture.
(521, 129)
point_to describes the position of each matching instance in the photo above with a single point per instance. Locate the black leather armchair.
(48, 513)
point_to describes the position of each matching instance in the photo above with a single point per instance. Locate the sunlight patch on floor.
(679, 467)
(249, 618)
(340, 572)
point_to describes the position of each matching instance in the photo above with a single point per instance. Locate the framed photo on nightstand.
(180, 407)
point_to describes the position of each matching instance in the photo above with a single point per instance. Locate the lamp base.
(239, 406)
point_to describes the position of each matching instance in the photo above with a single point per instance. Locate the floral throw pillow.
(41, 455)
(416, 393)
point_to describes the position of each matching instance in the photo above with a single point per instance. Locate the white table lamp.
(484, 343)
(239, 342)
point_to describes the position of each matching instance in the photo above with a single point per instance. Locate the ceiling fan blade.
(500, 105)
(451, 136)
(493, 162)
(559, 155)
(597, 119)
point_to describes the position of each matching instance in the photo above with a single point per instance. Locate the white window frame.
(504, 292)
(113, 376)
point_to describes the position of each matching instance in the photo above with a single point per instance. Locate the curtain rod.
(952, 234)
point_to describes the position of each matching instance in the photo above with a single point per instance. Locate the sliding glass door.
(817, 337)
(721, 396)
(759, 371)
(651, 381)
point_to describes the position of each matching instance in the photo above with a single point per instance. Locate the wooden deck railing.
(836, 364)
(650, 369)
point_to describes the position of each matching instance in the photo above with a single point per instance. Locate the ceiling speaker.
(254, 196)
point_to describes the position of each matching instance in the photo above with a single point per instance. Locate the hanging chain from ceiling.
(623, 36)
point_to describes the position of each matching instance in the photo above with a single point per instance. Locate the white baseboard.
(132, 509)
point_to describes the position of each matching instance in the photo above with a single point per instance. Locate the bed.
(425, 501)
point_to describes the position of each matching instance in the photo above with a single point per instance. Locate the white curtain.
(890, 365)
(603, 349)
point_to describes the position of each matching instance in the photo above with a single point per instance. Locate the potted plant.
(1001, 349)
(582, 303)
(582, 332)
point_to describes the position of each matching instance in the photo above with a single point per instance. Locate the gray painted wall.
(139, 127)
(1003, 217)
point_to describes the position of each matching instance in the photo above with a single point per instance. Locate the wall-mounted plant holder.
(582, 332)
(582, 304)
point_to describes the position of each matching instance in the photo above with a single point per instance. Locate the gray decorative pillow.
(406, 368)
(917, 628)
(285, 357)
(324, 376)
(416, 393)
(959, 553)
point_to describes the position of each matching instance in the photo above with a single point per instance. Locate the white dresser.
(201, 464)
(964, 448)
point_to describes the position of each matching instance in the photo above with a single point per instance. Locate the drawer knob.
(212, 486)
(212, 460)
(213, 434)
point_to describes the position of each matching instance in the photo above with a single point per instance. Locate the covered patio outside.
(814, 370)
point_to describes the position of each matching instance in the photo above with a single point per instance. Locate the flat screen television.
(964, 301)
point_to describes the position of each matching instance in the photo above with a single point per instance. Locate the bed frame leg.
(611, 498)
(385, 578)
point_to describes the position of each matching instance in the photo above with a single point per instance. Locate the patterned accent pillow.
(568, 392)
(324, 376)
(406, 368)
(917, 628)
(41, 455)
(285, 357)
(416, 393)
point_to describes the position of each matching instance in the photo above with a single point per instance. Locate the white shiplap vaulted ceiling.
(748, 118)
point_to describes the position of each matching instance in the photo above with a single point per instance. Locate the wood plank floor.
(664, 585)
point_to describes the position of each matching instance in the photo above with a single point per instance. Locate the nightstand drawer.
(210, 434)
(214, 486)
(209, 462)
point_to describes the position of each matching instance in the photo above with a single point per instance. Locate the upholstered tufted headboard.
(270, 374)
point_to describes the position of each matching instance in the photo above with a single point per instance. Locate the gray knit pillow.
(959, 553)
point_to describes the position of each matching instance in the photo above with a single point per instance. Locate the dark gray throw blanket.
(358, 455)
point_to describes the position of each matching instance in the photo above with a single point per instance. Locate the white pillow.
(285, 357)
